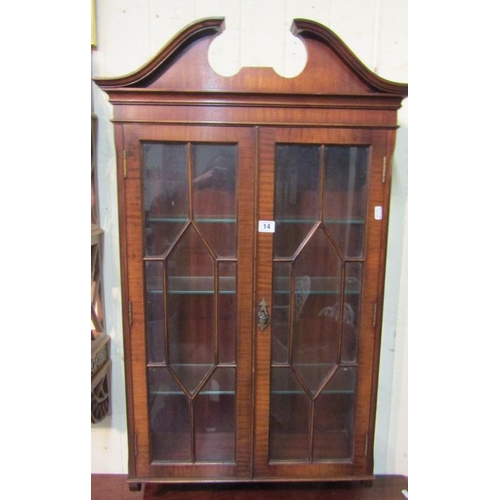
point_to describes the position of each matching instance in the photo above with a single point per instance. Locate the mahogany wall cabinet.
(253, 225)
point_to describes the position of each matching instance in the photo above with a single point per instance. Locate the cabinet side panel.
(121, 172)
(388, 139)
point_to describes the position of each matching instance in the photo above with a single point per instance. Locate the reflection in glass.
(155, 311)
(297, 199)
(350, 320)
(333, 417)
(214, 416)
(165, 194)
(314, 342)
(281, 311)
(227, 312)
(345, 197)
(190, 316)
(289, 422)
(214, 198)
(169, 418)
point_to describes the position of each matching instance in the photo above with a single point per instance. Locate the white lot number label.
(266, 226)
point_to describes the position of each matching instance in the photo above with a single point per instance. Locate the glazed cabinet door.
(319, 274)
(187, 238)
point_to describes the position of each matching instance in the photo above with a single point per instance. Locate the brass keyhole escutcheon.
(263, 315)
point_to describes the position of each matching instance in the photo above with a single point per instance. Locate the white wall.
(257, 34)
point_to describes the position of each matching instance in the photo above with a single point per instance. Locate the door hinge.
(374, 314)
(136, 446)
(124, 164)
(384, 169)
(130, 312)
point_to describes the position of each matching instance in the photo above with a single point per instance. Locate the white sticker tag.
(378, 213)
(266, 226)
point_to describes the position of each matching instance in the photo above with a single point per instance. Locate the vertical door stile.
(255, 218)
(262, 356)
(246, 208)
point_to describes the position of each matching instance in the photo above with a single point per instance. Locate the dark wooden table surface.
(114, 487)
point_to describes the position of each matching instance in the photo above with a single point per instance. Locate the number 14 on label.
(266, 226)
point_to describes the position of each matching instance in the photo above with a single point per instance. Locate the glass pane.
(352, 303)
(315, 336)
(190, 310)
(169, 418)
(316, 299)
(227, 312)
(191, 305)
(165, 194)
(155, 312)
(281, 311)
(297, 197)
(345, 197)
(214, 195)
(214, 416)
(333, 417)
(290, 416)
